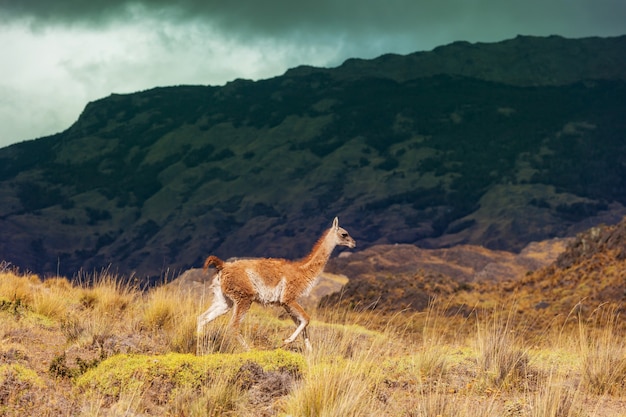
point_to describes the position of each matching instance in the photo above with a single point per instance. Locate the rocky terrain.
(405, 277)
(550, 281)
(591, 272)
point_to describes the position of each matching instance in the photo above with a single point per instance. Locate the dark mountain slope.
(156, 180)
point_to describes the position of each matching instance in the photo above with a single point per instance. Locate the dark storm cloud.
(59, 54)
(276, 18)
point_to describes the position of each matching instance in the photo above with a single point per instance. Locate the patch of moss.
(20, 374)
(16, 387)
(121, 373)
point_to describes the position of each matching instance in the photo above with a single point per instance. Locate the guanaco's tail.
(213, 260)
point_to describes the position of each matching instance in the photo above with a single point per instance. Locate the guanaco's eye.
(344, 234)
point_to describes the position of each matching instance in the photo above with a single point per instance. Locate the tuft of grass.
(107, 294)
(61, 283)
(107, 307)
(345, 368)
(183, 337)
(603, 351)
(51, 302)
(217, 338)
(332, 389)
(18, 289)
(502, 361)
(343, 340)
(435, 403)
(72, 327)
(90, 328)
(221, 397)
(555, 398)
(172, 313)
(161, 308)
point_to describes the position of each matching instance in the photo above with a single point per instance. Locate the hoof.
(286, 343)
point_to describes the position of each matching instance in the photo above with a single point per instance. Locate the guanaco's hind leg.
(219, 307)
(240, 309)
(301, 318)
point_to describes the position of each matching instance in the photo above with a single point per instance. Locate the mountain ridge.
(533, 67)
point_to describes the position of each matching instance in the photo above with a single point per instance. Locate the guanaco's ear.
(336, 223)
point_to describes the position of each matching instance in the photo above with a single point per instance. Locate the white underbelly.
(265, 293)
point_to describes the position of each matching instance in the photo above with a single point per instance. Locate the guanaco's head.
(342, 237)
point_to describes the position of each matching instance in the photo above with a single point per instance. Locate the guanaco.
(272, 281)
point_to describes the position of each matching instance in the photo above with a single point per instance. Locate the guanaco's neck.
(313, 264)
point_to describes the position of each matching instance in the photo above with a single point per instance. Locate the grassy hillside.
(104, 347)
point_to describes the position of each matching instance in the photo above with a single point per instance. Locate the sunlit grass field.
(106, 347)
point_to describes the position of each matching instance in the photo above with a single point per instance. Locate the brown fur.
(271, 281)
(213, 260)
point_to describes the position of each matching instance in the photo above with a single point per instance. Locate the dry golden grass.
(78, 349)
(333, 389)
(603, 353)
(502, 357)
(15, 288)
(221, 397)
(106, 293)
(170, 313)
